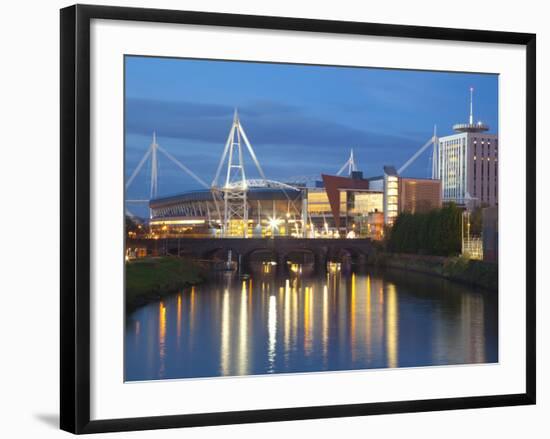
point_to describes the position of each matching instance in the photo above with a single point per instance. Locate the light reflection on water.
(298, 321)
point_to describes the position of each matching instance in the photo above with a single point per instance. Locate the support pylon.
(154, 167)
(152, 152)
(435, 155)
(235, 189)
(350, 165)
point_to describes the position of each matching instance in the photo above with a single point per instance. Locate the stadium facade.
(335, 207)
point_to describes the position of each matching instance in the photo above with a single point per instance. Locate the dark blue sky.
(301, 120)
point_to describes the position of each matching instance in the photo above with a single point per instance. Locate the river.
(292, 319)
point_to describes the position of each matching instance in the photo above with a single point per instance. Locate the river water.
(291, 319)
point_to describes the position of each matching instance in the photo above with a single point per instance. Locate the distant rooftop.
(471, 127)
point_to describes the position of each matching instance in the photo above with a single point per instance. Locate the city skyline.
(234, 273)
(300, 119)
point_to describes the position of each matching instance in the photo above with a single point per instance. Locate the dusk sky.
(301, 120)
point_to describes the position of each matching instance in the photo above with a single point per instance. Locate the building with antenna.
(467, 164)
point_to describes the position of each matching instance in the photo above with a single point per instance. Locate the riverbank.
(151, 278)
(459, 269)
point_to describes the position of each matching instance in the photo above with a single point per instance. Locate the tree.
(436, 232)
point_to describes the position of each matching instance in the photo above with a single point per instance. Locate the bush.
(480, 273)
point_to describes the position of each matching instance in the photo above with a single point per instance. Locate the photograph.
(266, 220)
(291, 218)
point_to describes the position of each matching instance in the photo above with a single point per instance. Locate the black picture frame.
(75, 217)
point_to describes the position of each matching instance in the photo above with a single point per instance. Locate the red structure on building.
(334, 185)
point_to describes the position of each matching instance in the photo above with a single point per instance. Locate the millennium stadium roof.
(256, 190)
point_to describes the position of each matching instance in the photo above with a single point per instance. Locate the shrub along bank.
(473, 272)
(151, 278)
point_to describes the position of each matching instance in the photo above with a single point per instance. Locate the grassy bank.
(469, 271)
(151, 278)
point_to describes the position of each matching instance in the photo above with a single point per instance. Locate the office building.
(468, 164)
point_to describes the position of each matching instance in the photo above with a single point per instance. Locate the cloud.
(195, 121)
(266, 123)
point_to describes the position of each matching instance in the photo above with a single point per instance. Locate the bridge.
(280, 249)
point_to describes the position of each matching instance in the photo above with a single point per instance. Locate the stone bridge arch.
(354, 254)
(250, 254)
(298, 255)
(219, 252)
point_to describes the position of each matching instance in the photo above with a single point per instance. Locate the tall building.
(468, 164)
(391, 194)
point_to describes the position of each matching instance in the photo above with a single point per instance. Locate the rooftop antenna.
(471, 126)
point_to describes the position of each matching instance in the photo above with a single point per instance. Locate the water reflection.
(325, 325)
(272, 328)
(162, 338)
(368, 318)
(291, 319)
(178, 333)
(225, 351)
(243, 332)
(392, 326)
